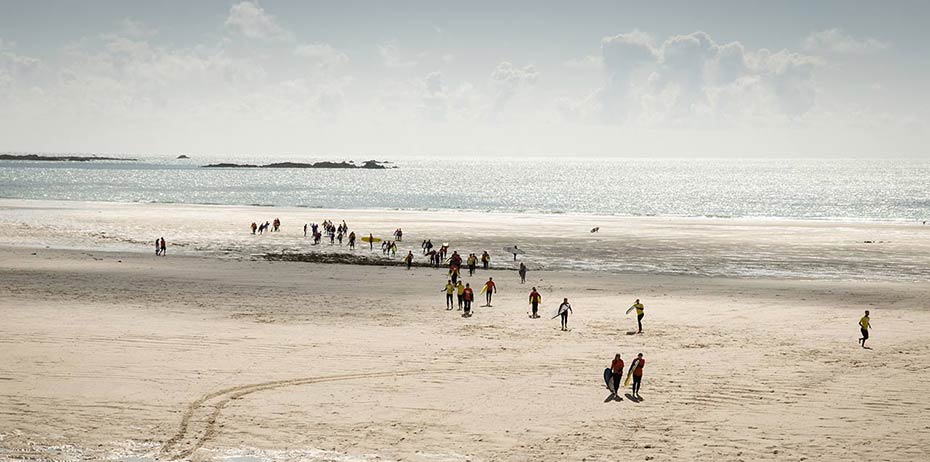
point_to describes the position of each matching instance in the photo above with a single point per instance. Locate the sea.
(849, 190)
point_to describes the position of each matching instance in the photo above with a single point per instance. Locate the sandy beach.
(213, 353)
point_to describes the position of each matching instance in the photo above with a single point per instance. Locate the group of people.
(634, 374)
(331, 231)
(161, 249)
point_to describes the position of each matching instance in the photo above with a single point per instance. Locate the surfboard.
(629, 376)
(367, 239)
(628, 310)
(484, 288)
(608, 376)
(514, 250)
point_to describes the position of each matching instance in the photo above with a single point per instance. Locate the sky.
(442, 79)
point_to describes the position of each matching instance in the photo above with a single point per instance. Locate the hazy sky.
(507, 78)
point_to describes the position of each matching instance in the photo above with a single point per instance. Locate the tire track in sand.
(198, 423)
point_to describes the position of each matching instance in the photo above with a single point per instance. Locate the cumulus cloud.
(321, 54)
(252, 21)
(839, 42)
(507, 80)
(585, 62)
(691, 79)
(392, 56)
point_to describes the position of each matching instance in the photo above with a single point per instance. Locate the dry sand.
(119, 355)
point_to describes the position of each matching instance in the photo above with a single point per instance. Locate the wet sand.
(210, 356)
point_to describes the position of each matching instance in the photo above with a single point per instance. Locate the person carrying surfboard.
(371, 241)
(535, 300)
(636, 372)
(467, 296)
(563, 311)
(489, 289)
(514, 251)
(485, 259)
(449, 290)
(640, 312)
(864, 326)
(616, 369)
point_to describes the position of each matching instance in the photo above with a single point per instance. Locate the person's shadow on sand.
(613, 397)
(633, 399)
(631, 332)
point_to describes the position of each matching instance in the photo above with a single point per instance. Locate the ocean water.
(867, 190)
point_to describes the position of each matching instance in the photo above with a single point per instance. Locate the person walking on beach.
(352, 240)
(255, 227)
(472, 264)
(636, 370)
(409, 259)
(564, 309)
(371, 241)
(616, 373)
(454, 274)
(489, 289)
(305, 230)
(467, 296)
(640, 312)
(864, 326)
(460, 293)
(522, 272)
(164, 248)
(485, 259)
(449, 290)
(535, 300)
(157, 247)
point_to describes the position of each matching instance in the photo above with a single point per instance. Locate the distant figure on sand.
(164, 247)
(485, 259)
(352, 240)
(460, 292)
(305, 230)
(472, 262)
(467, 296)
(488, 289)
(409, 258)
(535, 300)
(371, 241)
(616, 373)
(157, 247)
(522, 273)
(636, 371)
(595, 229)
(515, 249)
(254, 227)
(449, 290)
(864, 326)
(564, 309)
(640, 312)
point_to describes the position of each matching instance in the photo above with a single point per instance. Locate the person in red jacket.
(535, 299)
(468, 296)
(636, 370)
(616, 369)
(489, 289)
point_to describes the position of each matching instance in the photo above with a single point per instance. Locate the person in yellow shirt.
(460, 290)
(640, 312)
(864, 326)
(449, 290)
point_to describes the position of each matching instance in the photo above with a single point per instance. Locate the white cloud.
(585, 62)
(507, 80)
(322, 54)
(392, 56)
(691, 79)
(132, 28)
(251, 20)
(839, 42)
